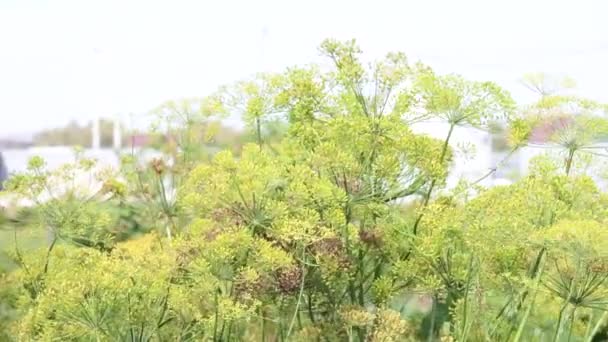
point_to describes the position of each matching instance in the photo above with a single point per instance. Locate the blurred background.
(88, 73)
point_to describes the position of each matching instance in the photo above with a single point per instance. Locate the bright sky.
(62, 60)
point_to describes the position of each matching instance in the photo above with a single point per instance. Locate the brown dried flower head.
(372, 237)
(158, 165)
(289, 280)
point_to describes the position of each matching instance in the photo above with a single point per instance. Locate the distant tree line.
(75, 134)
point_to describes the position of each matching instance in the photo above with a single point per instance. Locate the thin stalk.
(166, 209)
(597, 327)
(229, 331)
(558, 330)
(572, 323)
(18, 252)
(588, 329)
(500, 314)
(263, 326)
(48, 254)
(432, 325)
(349, 332)
(299, 320)
(311, 315)
(569, 160)
(522, 324)
(222, 330)
(560, 322)
(427, 196)
(281, 327)
(465, 324)
(258, 129)
(297, 309)
(216, 316)
(523, 295)
(361, 279)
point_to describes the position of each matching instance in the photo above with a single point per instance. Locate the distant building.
(471, 166)
(3, 172)
(507, 167)
(140, 140)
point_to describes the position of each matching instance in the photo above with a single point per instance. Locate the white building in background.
(484, 158)
(473, 156)
(83, 183)
(96, 134)
(116, 133)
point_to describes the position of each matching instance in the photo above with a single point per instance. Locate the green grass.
(29, 237)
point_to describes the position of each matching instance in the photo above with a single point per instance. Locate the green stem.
(311, 315)
(48, 253)
(229, 331)
(558, 330)
(216, 315)
(572, 323)
(560, 322)
(498, 317)
(522, 324)
(361, 279)
(297, 309)
(166, 208)
(432, 325)
(597, 327)
(222, 331)
(588, 329)
(18, 252)
(258, 128)
(427, 196)
(465, 323)
(263, 327)
(569, 160)
(523, 295)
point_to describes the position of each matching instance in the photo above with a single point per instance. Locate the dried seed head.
(598, 266)
(289, 280)
(354, 185)
(211, 234)
(328, 246)
(372, 238)
(185, 256)
(344, 264)
(227, 215)
(247, 287)
(356, 316)
(158, 165)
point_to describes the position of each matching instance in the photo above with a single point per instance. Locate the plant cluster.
(304, 235)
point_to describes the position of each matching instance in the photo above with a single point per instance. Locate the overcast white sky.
(62, 60)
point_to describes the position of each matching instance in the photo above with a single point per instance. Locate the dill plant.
(306, 237)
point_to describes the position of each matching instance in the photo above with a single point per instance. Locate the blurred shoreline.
(16, 159)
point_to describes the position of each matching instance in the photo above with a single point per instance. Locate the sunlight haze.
(63, 60)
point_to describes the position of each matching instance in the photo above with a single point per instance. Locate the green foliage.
(572, 124)
(461, 102)
(300, 236)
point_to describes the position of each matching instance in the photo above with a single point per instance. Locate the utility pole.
(117, 134)
(95, 134)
